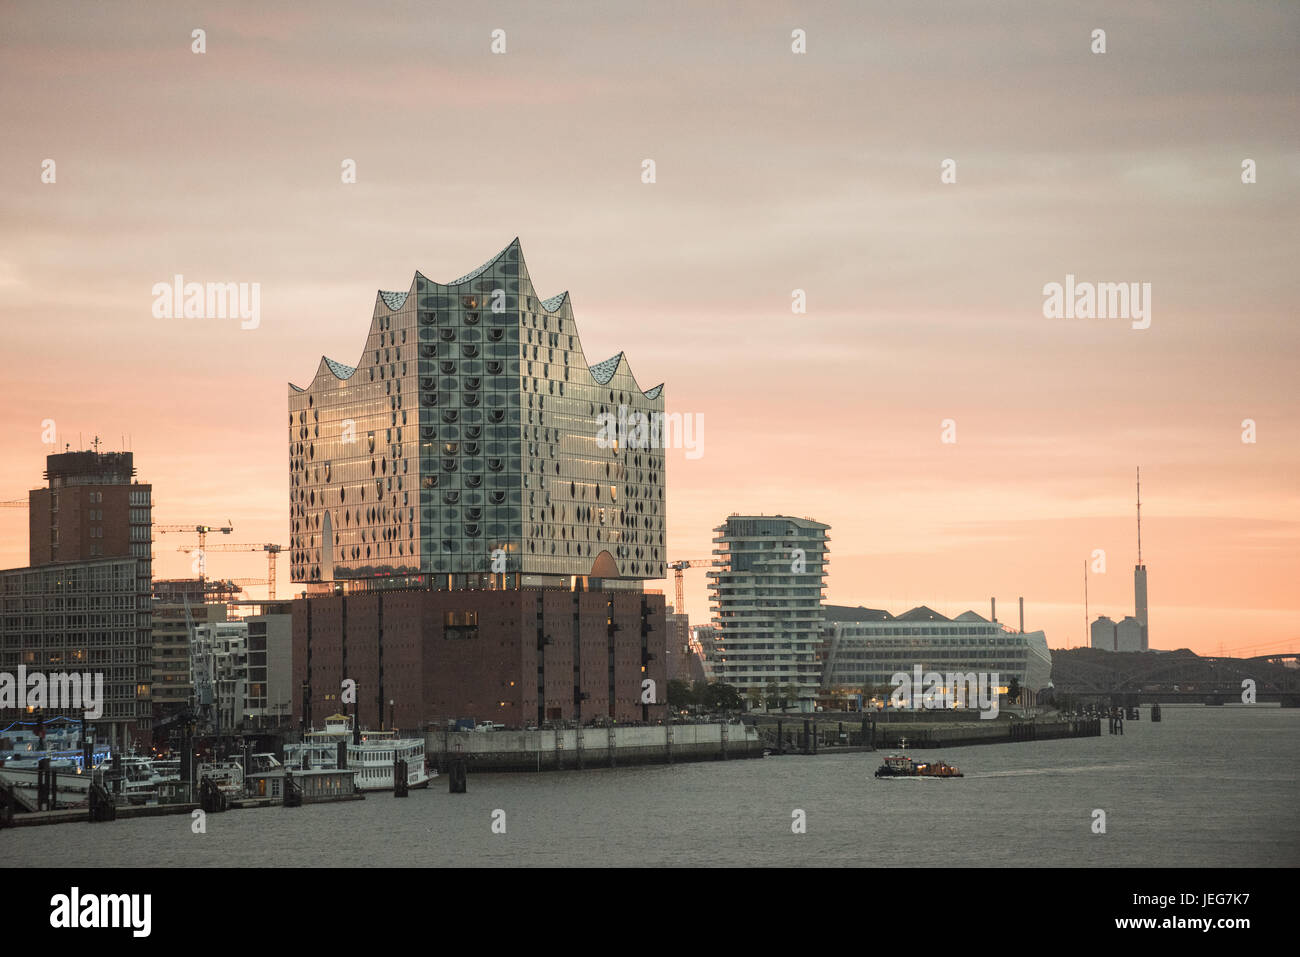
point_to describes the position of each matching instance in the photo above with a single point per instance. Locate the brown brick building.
(91, 509)
(83, 603)
(516, 657)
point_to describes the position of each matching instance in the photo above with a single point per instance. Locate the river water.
(1205, 787)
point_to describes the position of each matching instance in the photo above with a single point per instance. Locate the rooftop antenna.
(1139, 491)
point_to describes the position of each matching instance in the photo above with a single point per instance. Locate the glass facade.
(865, 655)
(83, 617)
(464, 444)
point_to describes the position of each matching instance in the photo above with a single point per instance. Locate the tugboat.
(901, 766)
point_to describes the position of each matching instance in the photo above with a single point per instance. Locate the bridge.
(1174, 676)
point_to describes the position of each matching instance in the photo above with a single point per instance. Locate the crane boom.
(202, 532)
(678, 581)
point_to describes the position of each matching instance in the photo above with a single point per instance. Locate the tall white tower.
(1140, 573)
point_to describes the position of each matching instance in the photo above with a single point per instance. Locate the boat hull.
(890, 773)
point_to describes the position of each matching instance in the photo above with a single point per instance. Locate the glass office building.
(864, 656)
(464, 449)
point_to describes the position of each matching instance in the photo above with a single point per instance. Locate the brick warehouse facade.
(517, 657)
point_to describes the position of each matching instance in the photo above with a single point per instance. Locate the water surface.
(1205, 787)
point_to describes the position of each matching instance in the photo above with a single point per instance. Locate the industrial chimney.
(1022, 614)
(993, 609)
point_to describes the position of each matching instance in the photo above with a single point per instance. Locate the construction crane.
(678, 583)
(202, 532)
(272, 553)
(16, 503)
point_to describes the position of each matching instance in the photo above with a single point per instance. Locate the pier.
(577, 748)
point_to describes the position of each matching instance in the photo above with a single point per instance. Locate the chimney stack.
(993, 608)
(1022, 614)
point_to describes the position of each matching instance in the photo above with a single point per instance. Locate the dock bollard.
(457, 776)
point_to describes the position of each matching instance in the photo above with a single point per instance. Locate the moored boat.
(371, 754)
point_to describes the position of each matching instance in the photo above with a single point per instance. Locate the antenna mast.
(1139, 491)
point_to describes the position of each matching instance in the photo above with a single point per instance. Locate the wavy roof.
(485, 267)
(601, 372)
(339, 369)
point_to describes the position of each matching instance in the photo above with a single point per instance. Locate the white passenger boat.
(371, 756)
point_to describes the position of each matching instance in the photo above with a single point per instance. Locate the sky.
(775, 171)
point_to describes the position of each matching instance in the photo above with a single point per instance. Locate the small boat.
(902, 766)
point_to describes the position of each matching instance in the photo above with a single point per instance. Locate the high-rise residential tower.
(766, 593)
(465, 445)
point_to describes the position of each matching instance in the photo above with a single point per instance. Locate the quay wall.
(575, 748)
(797, 736)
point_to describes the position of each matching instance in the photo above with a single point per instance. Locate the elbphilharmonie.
(462, 541)
(466, 430)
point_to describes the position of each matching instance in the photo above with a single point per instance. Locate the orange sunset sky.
(775, 171)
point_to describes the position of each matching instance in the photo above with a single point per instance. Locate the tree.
(789, 693)
(725, 697)
(680, 695)
(1013, 689)
(773, 693)
(699, 694)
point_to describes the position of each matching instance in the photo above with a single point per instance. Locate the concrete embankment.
(575, 748)
(999, 732)
(78, 815)
(793, 734)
